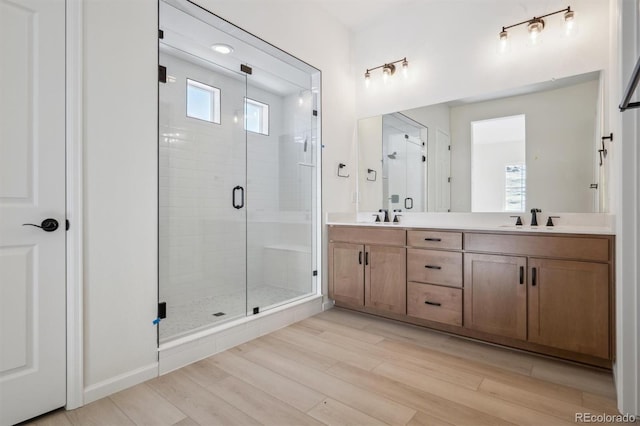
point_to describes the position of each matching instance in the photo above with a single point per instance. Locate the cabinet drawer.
(444, 303)
(362, 235)
(435, 240)
(434, 267)
(578, 248)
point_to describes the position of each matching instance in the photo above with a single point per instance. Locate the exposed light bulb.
(536, 25)
(367, 78)
(385, 74)
(503, 41)
(569, 22)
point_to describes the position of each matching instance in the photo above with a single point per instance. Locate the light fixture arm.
(568, 9)
(387, 64)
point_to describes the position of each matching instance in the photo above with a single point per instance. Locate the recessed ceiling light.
(224, 49)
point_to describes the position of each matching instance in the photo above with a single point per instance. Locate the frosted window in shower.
(256, 118)
(203, 101)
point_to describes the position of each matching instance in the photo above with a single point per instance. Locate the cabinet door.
(386, 278)
(495, 294)
(569, 305)
(346, 264)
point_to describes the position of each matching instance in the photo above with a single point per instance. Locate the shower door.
(280, 185)
(202, 193)
(238, 209)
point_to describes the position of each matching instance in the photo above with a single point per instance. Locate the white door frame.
(74, 204)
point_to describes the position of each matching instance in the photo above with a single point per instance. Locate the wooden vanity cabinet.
(564, 301)
(495, 294)
(369, 270)
(347, 273)
(569, 305)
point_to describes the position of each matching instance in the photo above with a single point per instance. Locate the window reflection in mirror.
(498, 164)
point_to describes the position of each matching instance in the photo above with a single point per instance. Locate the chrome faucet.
(534, 218)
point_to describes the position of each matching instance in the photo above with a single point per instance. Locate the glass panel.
(280, 187)
(202, 235)
(213, 173)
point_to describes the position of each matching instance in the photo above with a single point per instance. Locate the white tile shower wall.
(202, 252)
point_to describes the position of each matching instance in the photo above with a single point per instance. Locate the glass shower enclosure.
(238, 172)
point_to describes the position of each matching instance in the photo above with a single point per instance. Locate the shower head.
(392, 155)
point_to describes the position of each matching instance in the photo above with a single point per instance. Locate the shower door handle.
(233, 197)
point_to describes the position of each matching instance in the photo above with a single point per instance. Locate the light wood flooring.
(345, 368)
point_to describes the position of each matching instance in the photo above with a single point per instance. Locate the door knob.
(47, 225)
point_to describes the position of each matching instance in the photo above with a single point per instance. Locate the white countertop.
(567, 223)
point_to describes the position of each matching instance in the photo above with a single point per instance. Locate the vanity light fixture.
(388, 70)
(535, 26)
(221, 48)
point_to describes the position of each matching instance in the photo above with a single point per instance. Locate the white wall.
(626, 163)
(120, 187)
(369, 157)
(560, 146)
(451, 49)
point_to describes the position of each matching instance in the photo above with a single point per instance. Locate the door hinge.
(160, 34)
(162, 74)
(314, 273)
(246, 69)
(449, 179)
(315, 112)
(593, 186)
(66, 224)
(424, 158)
(162, 310)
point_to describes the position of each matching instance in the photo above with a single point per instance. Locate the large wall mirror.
(531, 147)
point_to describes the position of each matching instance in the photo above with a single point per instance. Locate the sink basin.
(529, 227)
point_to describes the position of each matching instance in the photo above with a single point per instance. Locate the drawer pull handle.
(433, 239)
(522, 275)
(366, 257)
(426, 302)
(359, 258)
(432, 267)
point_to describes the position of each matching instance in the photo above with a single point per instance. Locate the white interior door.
(32, 188)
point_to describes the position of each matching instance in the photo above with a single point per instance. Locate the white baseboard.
(120, 382)
(199, 346)
(327, 305)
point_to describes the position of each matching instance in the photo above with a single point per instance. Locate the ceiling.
(356, 14)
